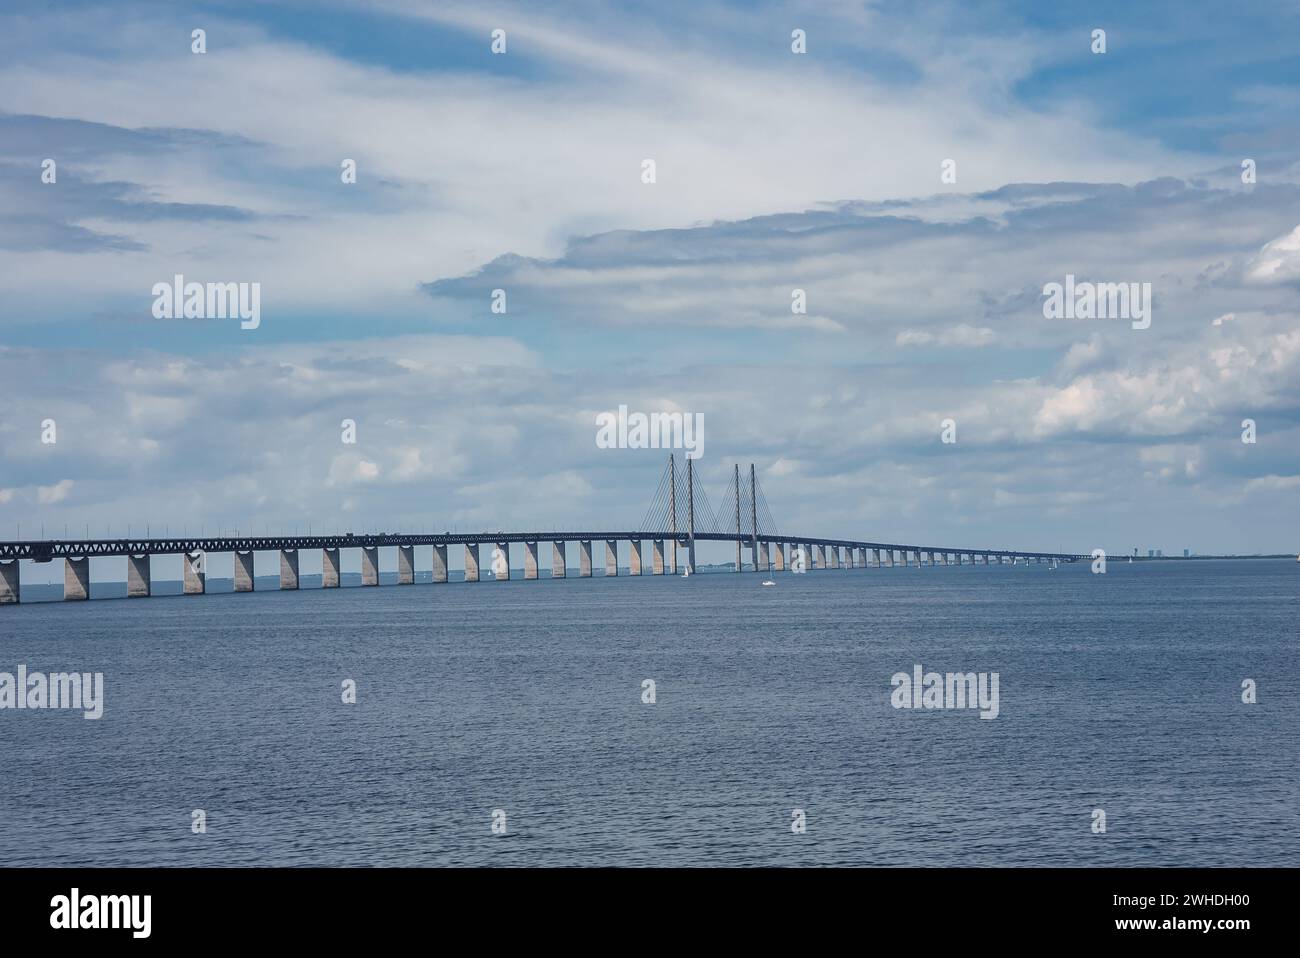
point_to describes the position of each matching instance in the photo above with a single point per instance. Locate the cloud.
(461, 163)
(961, 335)
(818, 173)
(49, 495)
(1278, 261)
(1273, 483)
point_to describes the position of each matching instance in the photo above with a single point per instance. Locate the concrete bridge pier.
(244, 571)
(504, 548)
(137, 576)
(370, 565)
(657, 568)
(406, 565)
(875, 558)
(329, 568)
(530, 560)
(764, 560)
(835, 557)
(288, 568)
(471, 562)
(559, 564)
(584, 558)
(76, 580)
(611, 557)
(439, 563)
(778, 556)
(634, 558)
(819, 557)
(196, 579)
(10, 582)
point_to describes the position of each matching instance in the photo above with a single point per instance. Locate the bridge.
(678, 517)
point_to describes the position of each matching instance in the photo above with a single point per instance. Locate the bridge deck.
(46, 550)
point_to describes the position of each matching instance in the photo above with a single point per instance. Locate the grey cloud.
(29, 137)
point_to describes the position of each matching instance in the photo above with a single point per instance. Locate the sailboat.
(768, 582)
(686, 572)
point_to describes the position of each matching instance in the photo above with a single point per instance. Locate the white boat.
(768, 582)
(686, 572)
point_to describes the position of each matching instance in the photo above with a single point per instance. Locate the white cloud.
(49, 495)
(961, 335)
(1278, 261)
(1273, 483)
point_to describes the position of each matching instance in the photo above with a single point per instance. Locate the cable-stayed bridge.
(679, 516)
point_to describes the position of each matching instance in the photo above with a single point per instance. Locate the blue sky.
(775, 171)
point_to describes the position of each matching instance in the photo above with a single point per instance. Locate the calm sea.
(1120, 692)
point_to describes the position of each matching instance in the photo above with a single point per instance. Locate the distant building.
(1187, 553)
(1151, 553)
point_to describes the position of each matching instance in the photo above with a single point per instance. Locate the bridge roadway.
(45, 550)
(769, 553)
